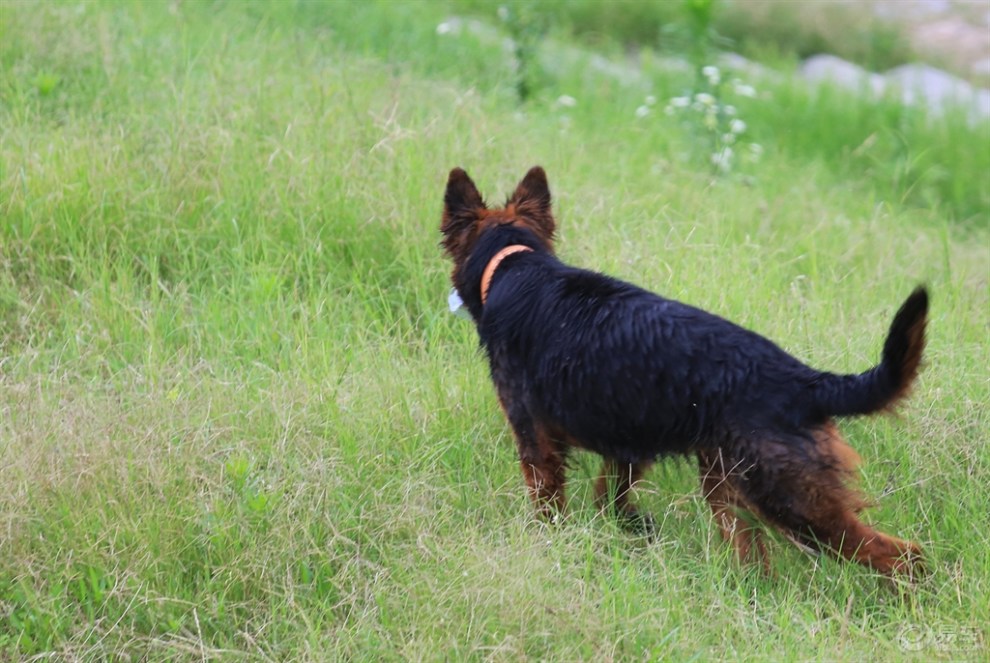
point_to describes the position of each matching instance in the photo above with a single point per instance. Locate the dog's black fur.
(583, 360)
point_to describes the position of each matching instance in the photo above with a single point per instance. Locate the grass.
(237, 421)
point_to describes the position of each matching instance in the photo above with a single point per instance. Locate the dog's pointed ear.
(462, 199)
(531, 201)
(533, 190)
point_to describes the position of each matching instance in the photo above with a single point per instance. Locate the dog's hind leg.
(624, 475)
(842, 533)
(835, 523)
(808, 494)
(726, 501)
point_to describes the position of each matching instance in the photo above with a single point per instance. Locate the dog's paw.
(637, 522)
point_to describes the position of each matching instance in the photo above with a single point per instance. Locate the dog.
(584, 361)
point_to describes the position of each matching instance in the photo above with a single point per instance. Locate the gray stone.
(915, 84)
(938, 90)
(829, 68)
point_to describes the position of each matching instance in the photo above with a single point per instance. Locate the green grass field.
(237, 420)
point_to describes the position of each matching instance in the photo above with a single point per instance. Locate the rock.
(937, 89)
(829, 68)
(916, 84)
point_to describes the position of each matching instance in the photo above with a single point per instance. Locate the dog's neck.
(486, 277)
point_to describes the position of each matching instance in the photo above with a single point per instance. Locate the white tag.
(456, 305)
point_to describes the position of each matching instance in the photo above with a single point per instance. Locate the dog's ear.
(533, 190)
(462, 200)
(532, 200)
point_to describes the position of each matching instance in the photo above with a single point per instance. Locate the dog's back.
(628, 373)
(634, 375)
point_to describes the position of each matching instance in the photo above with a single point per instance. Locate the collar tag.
(456, 305)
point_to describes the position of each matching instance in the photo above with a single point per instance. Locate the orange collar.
(486, 278)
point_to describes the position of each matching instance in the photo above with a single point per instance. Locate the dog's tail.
(883, 385)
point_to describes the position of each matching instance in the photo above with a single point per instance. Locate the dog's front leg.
(542, 458)
(624, 476)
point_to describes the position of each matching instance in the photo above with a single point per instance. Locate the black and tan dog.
(581, 360)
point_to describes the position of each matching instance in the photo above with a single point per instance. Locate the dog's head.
(466, 217)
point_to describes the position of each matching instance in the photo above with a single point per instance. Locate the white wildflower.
(445, 28)
(705, 98)
(737, 126)
(643, 111)
(742, 89)
(728, 139)
(680, 102)
(712, 74)
(729, 110)
(723, 159)
(567, 101)
(756, 150)
(650, 100)
(503, 13)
